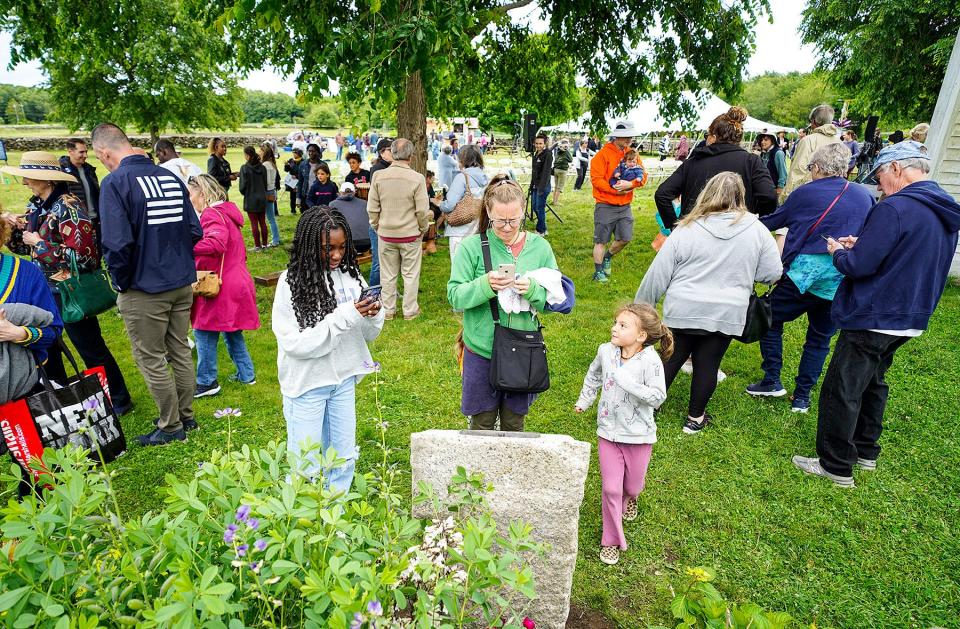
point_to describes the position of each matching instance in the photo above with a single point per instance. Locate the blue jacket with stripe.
(149, 227)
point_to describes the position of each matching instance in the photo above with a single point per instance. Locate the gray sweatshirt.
(707, 270)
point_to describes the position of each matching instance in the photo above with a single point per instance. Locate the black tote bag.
(518, 361)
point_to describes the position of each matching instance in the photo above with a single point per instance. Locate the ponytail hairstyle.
(212, 145)
(728, 128)
(651, 325)
(250, 152)
(501, 189)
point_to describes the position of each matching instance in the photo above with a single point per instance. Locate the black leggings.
(707, 351)
(293, 202)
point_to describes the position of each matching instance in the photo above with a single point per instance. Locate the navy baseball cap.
(908, 149)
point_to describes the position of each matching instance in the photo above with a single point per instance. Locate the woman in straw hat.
(54, 230)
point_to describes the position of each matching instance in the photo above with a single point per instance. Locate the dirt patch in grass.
(586, 618)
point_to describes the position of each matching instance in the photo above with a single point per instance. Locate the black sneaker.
(159, 438)
(692, 428)
(206, 390)
(188, 424)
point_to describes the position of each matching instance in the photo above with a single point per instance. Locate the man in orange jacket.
(612, 214)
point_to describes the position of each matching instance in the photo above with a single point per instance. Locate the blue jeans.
(375, 263)
(326, 416)
(272, 221)
(539, 202)
(339, 153)
(789, 303)
(207, 343)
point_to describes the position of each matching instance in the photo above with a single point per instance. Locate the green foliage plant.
(701, 606)
(251, 540)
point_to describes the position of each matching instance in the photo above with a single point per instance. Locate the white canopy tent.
(646, 118)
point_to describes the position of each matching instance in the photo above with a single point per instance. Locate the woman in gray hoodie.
(706, 270)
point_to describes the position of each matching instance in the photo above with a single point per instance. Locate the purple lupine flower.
(91, 404)
(223, 412)
(229, 533)
(255, 565)
(242, 550)
(243, 513)
(253, 523)
(357, 621)
(375, 608)
(260, 544)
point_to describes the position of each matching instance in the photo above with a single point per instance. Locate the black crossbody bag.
(518, 361)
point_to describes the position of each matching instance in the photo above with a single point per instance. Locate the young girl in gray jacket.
(628, 374)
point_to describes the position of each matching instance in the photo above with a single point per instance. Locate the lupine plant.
(250, 540)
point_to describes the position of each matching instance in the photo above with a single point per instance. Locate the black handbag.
(759, 318)
(518, 361)
(760, 310)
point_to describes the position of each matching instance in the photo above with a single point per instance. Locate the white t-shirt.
(182, 168)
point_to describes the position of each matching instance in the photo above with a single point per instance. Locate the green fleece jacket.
(469, 289)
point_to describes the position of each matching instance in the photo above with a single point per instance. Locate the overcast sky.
(778, 49)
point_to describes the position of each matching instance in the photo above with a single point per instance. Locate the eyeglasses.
(504, 222)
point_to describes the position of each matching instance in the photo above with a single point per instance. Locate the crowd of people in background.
(781, 212)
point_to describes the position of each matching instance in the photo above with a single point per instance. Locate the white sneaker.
(811, 465)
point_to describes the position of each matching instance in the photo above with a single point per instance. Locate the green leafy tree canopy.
(144, 63)
(888, 57)
(786, 99)
(423, 56)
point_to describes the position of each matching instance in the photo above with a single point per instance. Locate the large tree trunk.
(412, 121)
(154, 137)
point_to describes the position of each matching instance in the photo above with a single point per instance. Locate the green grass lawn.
(883, 555)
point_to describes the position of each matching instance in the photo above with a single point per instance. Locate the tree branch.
(510, 6)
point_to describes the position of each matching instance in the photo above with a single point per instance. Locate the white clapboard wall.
(943, 141)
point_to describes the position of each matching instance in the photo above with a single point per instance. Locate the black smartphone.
(370, 292)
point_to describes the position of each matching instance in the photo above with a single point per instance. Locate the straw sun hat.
(38, 165)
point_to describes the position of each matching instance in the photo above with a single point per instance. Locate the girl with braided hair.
(322, 329)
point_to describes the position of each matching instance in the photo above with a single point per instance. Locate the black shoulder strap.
(488, 266)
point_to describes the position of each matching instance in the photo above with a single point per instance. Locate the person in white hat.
(55, 230)
(612, 215)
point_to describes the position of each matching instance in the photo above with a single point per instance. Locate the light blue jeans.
(272, 221)
(207, 343)
(325, 416)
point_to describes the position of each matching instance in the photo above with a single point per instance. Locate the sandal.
(630, 510)
(609, 555)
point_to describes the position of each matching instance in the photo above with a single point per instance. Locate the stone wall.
(57, 145)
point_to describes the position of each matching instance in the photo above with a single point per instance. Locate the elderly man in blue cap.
(894, 274)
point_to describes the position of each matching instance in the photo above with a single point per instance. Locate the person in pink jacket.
(234, 309)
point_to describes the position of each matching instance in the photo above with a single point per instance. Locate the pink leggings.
(623, 472)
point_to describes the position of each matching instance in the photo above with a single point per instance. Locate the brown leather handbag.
(467, 209)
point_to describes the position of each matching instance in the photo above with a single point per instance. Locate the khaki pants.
(400, 259)
(157, 325)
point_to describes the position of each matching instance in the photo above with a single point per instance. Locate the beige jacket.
(398, 205)
(799, 175)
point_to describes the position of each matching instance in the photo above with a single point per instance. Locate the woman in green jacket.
(471, 288)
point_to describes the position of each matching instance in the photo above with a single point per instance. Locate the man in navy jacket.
(895, 272)
(149, 229)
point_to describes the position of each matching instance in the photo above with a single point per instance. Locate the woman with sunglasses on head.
(471, 288)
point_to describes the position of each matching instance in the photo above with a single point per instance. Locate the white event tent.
(646, 118)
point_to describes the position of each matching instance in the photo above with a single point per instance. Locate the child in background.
(322, 329)
(629, 169)
(628, 374)
(323, 190)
